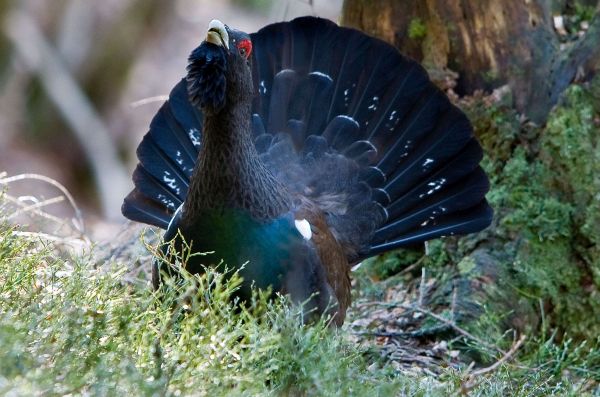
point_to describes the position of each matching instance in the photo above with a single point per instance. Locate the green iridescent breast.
(264, 249)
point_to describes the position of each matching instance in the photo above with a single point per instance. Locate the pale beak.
(217, 34)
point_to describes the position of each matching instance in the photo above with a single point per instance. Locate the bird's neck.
(229, 173)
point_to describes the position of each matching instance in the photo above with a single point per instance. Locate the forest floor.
(79, 318)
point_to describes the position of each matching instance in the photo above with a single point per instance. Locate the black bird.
(303, 149)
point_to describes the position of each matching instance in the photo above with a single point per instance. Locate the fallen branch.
(508, 355)
(449, 323)
(413, 266)
(422, 288)
(420, 333)
(471, 382)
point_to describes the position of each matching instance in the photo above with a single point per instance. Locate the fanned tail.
(337, 92)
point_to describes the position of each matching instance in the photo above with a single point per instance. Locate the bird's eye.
(245, 48)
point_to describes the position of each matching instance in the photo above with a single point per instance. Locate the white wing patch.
(304, 228)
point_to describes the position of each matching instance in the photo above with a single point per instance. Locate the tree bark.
(489, 43)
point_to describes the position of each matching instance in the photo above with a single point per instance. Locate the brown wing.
(332, 259)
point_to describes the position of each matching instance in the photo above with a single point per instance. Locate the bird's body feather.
(345, 133)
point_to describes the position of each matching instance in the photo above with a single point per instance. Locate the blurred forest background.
(81, 80)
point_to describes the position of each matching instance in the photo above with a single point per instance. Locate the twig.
(453, 304)
(516, 346)
(75, 242)
(460, 330)
(79, 225)
(59, 221)
(146, 101)
(471, 381)
(422, 288)
(413, 266)
(39, 204)
(420, 333)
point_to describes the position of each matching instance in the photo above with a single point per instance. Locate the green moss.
(533, 209)
(547, 202)
(417, 29)
(437, 254)
(584, 12)
(497, 128)
(467, 265)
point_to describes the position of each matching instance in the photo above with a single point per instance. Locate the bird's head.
(219, 69)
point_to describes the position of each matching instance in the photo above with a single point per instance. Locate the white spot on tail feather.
(194, 135)
(427, 162)
(171, 182)
(166, 201)
(304, 228)
(436, 185)
(179, 159)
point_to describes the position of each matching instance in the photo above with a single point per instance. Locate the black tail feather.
(414, 128)
(449, 137)
(154, 190)
(168, 135)
(467, 221)
(341, 132)
(139, 208)
(161, 167)
(415, 149)
(463, 164)
(284, 86)
(463, 194)
(317, 96)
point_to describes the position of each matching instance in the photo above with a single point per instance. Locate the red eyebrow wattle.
(246, 45)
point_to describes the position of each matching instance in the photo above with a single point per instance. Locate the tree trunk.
(489, 43)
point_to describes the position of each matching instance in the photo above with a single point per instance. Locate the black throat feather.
(229, 173)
